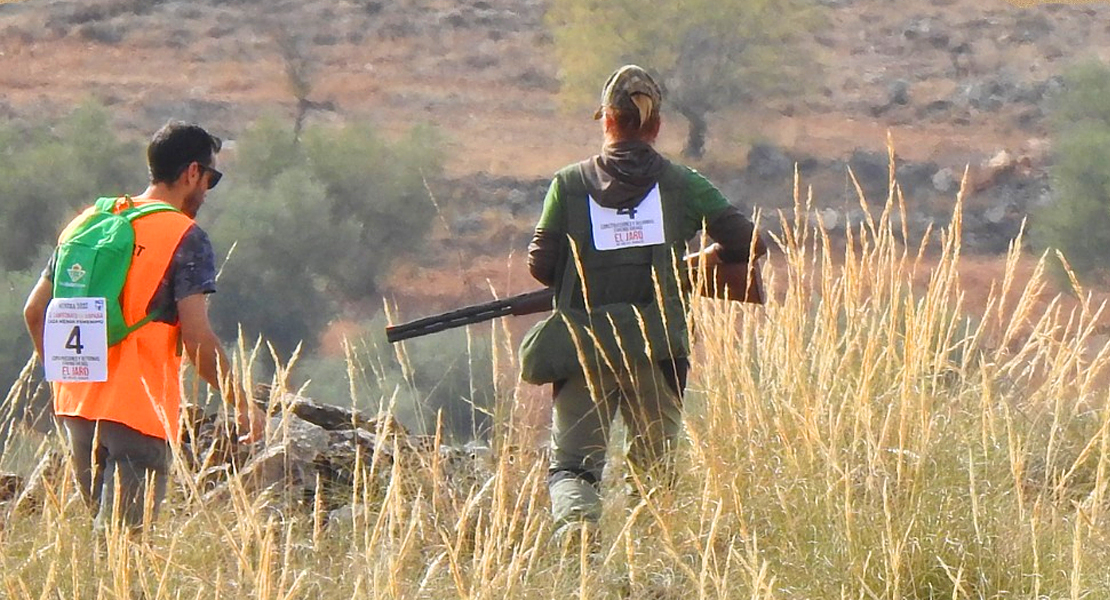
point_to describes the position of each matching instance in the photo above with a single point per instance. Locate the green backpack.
(93, 260)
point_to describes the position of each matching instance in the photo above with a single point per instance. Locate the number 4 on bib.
(73, 342)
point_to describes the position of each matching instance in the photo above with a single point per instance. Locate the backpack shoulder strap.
(135, 212)
(150, 316)
(672, 185)
(572, 184)
(149, 208)
(575, 202)
(130, 210)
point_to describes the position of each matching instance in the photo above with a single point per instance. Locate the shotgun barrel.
(521, 304)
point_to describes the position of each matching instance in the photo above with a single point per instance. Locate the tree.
(380, 186)
(707, 54)
(15, 344)
(315, 226)
(273, 282)
(50, 171)
(447, 378)
(1078, 221)
(301, 70)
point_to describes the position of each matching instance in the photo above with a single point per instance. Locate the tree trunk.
(298, 122)
(695, 139)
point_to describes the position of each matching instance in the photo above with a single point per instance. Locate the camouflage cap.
(625, 83)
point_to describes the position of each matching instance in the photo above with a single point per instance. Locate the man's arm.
(207, 355)
(34, 311)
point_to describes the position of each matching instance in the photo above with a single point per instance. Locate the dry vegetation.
(897, 422)
(860, 436)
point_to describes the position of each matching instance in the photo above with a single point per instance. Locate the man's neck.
(163, 193)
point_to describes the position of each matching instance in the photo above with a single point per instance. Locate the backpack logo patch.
(76, 272)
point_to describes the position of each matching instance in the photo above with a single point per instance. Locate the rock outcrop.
(315, 456)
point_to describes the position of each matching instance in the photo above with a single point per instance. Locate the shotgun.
(708, 277)
(521, 304)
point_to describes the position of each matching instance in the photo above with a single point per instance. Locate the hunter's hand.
(710, 257)
(251, 423)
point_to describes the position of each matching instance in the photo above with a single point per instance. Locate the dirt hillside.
(954, 82)
(952, 78)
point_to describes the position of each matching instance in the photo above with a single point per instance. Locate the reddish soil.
(403, 65)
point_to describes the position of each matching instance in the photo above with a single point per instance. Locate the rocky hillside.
(955, 83)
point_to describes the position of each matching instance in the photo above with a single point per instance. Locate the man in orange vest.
(120, 430)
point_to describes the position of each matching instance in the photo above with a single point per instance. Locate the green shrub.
(708, 55)
(445, 379)
(379, 185)
(20, 400)
(15, 344)
(273, 282)
(263, 152)
(48, 173)
(1078, 222)
(315, 225)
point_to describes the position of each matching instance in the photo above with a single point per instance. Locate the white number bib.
(615, 228)
(75, 340)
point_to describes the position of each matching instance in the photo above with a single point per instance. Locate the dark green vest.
(631, 308)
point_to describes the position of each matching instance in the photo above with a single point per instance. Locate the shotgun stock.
(709, 276)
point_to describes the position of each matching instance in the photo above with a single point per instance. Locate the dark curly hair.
(176, 146)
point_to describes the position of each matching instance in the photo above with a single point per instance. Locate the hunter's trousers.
(585, 406)
(108, 457)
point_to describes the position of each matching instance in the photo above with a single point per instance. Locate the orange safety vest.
(143, 390)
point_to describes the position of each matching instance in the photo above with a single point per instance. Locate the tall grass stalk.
(861, 435)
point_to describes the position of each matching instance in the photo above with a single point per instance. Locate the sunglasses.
(214, 176)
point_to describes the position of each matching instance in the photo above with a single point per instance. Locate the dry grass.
(860, 436)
